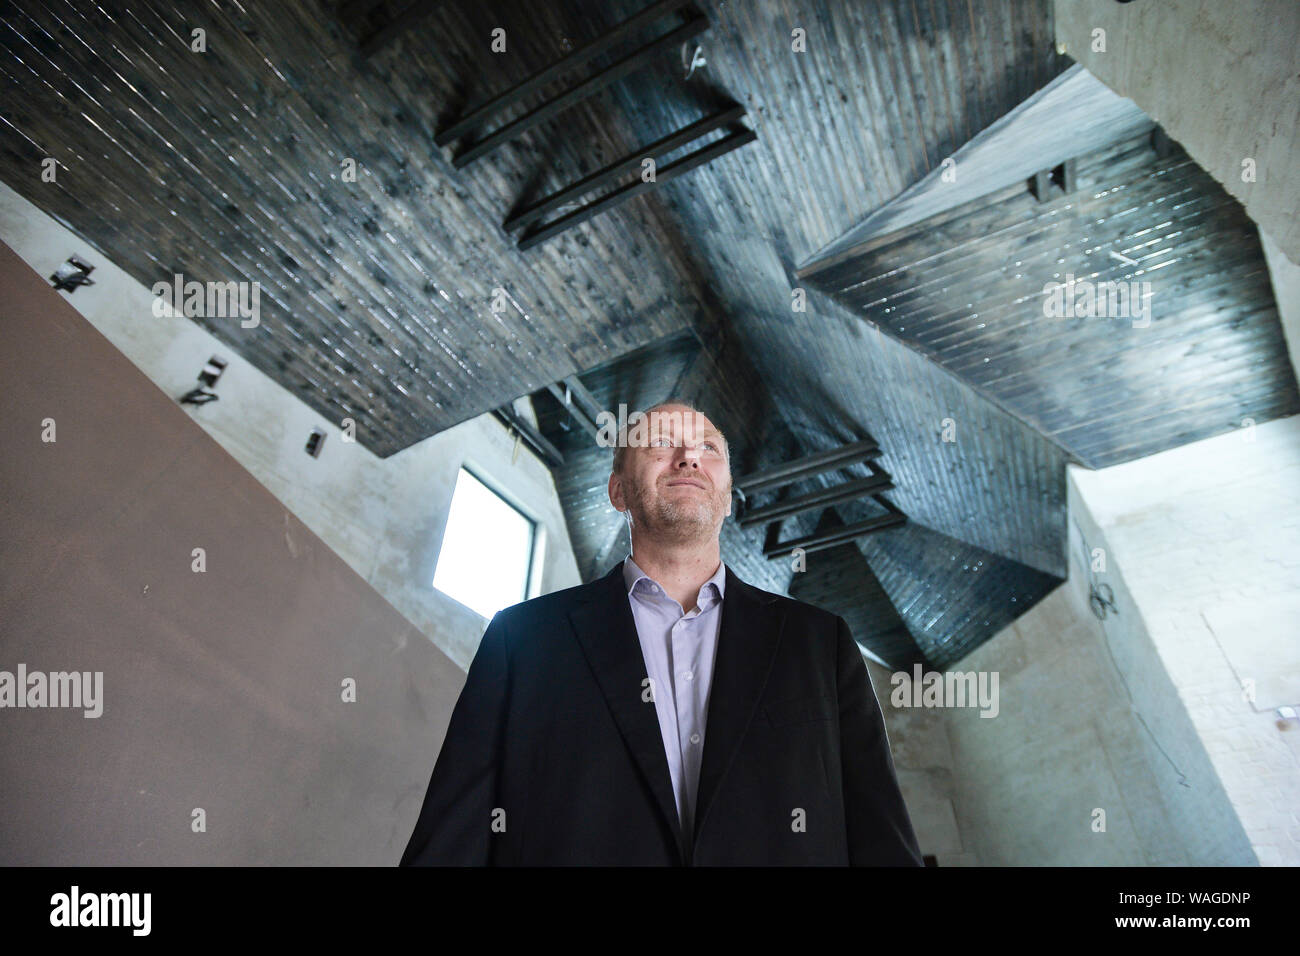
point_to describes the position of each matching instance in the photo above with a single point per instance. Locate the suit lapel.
(747, 641)
(607, 632)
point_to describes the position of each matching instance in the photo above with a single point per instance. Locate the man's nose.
(688, 456)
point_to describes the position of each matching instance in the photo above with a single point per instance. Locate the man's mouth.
(686, 481)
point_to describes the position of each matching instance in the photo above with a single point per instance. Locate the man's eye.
(658, 441)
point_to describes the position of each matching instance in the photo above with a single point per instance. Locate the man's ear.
(616, 492)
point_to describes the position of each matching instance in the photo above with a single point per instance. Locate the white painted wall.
(1145, 713)
(384, 517)
(1142, 714)
(1207, 537)
(1285, 276)
(1087, 721)
(1221, 76)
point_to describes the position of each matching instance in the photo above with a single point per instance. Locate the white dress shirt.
(679, 650)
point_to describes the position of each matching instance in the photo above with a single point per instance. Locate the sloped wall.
(384, 516)
(1220, 78)
(222, 689)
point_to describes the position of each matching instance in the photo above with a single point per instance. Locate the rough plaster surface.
(225, 735)
(383, 516)
(1207, 538)
(1222, 78)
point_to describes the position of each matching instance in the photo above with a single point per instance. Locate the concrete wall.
(384, 517)
(1087, 720)
(224, 736)
(1285, 276)
(1143, 713)
(1207, 537)
(1163, 713)
(1222, 78)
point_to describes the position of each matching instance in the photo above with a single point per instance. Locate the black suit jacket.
(553, 755)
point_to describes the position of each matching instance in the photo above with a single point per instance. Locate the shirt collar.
(632, 574)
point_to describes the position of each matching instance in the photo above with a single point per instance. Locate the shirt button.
(695, 738)
(689, 675)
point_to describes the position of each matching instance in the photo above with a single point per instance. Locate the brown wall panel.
(222, 690)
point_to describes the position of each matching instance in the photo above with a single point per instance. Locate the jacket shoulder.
(801, 611)
(546, 605)
(559, 603)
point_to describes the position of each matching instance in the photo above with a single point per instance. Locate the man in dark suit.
(606, 724)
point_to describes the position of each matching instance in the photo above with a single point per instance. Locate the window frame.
(534, 534)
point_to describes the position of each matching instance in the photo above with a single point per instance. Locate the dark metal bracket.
(788, 473)
(1060, 180)
(674, 169)
(696, 24)
(72, 275)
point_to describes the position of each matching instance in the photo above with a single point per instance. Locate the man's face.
(675, 483)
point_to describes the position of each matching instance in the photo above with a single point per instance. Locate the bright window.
(487, 549)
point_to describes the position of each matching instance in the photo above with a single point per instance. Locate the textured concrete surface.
(1140, 714)
(1285, 276)
(1222, 78)
(226, 733)
(383, 516)
(1207, 538)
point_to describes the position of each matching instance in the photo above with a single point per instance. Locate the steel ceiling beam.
(574, 397)
(671, 171)
(792, 471)
(547, 452)
(841, 535)
(619, 167)
(577, 58)
(821, 498)
(696, 25)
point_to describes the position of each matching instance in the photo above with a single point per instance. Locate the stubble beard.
(674, 519)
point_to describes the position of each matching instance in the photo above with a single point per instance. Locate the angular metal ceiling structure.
(281, 152)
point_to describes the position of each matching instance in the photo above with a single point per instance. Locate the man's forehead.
(695, 423)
